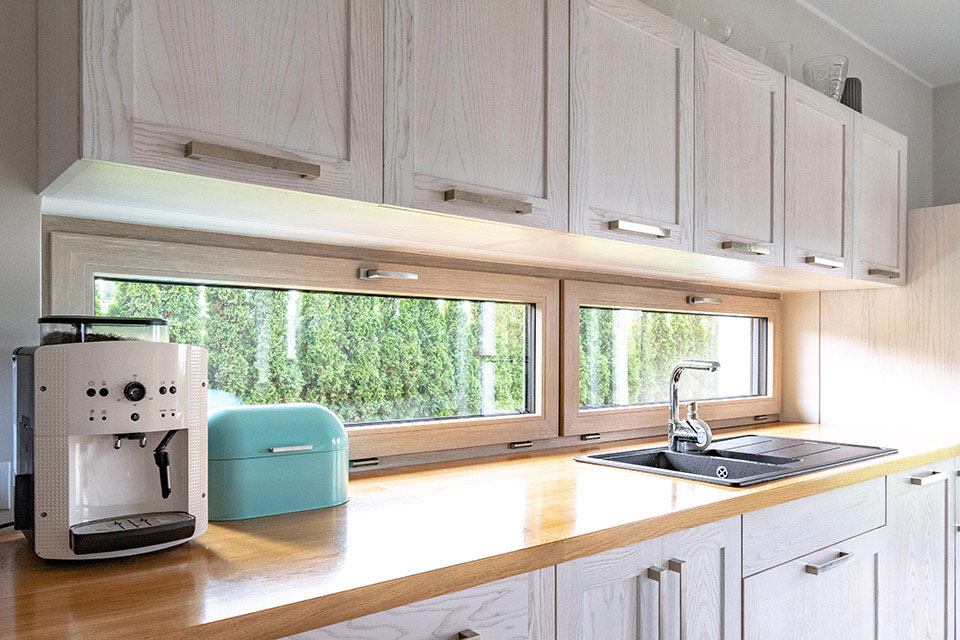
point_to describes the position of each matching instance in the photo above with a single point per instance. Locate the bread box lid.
(269, 430)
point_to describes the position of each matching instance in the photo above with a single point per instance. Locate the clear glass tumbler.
(826, 74)
(777, 55)
(718, 24)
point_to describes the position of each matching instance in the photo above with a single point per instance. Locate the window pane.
(367, 358)
(627, 356)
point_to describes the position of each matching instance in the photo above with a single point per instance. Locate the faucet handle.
(692, 410)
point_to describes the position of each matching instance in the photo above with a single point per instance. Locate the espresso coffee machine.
(111, 439)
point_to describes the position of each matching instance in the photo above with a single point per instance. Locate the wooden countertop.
(402, 537)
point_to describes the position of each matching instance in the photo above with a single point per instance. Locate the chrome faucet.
(691, 434)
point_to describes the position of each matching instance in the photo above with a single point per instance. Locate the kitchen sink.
(740, 461)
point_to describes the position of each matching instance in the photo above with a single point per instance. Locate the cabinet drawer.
(787, 531)
(831, 593)
(517, 608)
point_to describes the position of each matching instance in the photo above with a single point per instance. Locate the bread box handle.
(298, 447)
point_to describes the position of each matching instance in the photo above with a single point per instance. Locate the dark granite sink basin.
(741, 461)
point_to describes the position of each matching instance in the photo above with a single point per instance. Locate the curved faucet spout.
(674, 426)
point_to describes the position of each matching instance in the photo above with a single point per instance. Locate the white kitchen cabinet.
(880, 250)
(918, 547)
(280, 94)
(631, 125)
(830, 593)
(683, 585)
(517, 608)
(818, 209)
(738, 166)
(476, 109)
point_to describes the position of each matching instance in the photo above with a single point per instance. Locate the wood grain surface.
(402, 537)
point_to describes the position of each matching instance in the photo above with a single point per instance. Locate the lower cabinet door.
(517, 608)
(829, 594)
(918, 601)
(680, 586)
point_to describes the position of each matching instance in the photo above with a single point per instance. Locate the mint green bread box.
(271, 459)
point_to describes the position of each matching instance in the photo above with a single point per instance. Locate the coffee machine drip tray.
(131, 531)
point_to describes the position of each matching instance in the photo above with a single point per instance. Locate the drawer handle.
(380, 274)
(745, 247)
(200, 150)
(364, 462)
(702, 300)
(466, 634)
(821, 261)
(638, 228)
(487, 200)
(816, 569)
(886, 273)
(932, 478)
(677, 566)
(657, 575)
(298, 447)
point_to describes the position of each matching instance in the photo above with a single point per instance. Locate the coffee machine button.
(134, 416)
(173, 389)
(134, 391)
(91, 392)
(104, 392)
(163, 391)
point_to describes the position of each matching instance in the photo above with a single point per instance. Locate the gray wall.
(946, 145)
(890, 96)
(19, 204)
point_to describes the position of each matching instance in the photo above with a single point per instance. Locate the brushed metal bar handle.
(821, 261)
(468, 634)
(523, 444)
(745, 247)
(199, 150)
(886, 273)
(488, 200)
(657, 575)
(379, 274)
(638, 228)
(364, 462)
(590, 436)
(843, 557)
(702, 300)
(933, 478)
(677, 566)
(298, 447)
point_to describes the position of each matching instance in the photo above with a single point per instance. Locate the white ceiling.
(920, 36)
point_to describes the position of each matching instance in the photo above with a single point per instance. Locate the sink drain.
(721, 472)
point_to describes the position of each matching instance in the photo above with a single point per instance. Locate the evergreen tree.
(228, 334)
(277, 376)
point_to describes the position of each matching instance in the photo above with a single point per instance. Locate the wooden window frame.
(653, 417)
(76, 259)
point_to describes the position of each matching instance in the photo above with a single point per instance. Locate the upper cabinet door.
(268, 92)
(477, 108)
(818, 212)
(739, 155)
(881, 228)
(631, 131)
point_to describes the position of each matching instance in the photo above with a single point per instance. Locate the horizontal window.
(627, 356)
(369, 358)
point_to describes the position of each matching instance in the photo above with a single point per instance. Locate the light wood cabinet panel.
(918, 546)
(774, 535)
(838, 601)
(739, 111)
(880, 250)
(477, 102)
(684, 585)
(517, 608)
(818, 209)
(265, 85)
(631, 131)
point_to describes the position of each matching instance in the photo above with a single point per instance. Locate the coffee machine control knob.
(134, 391)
